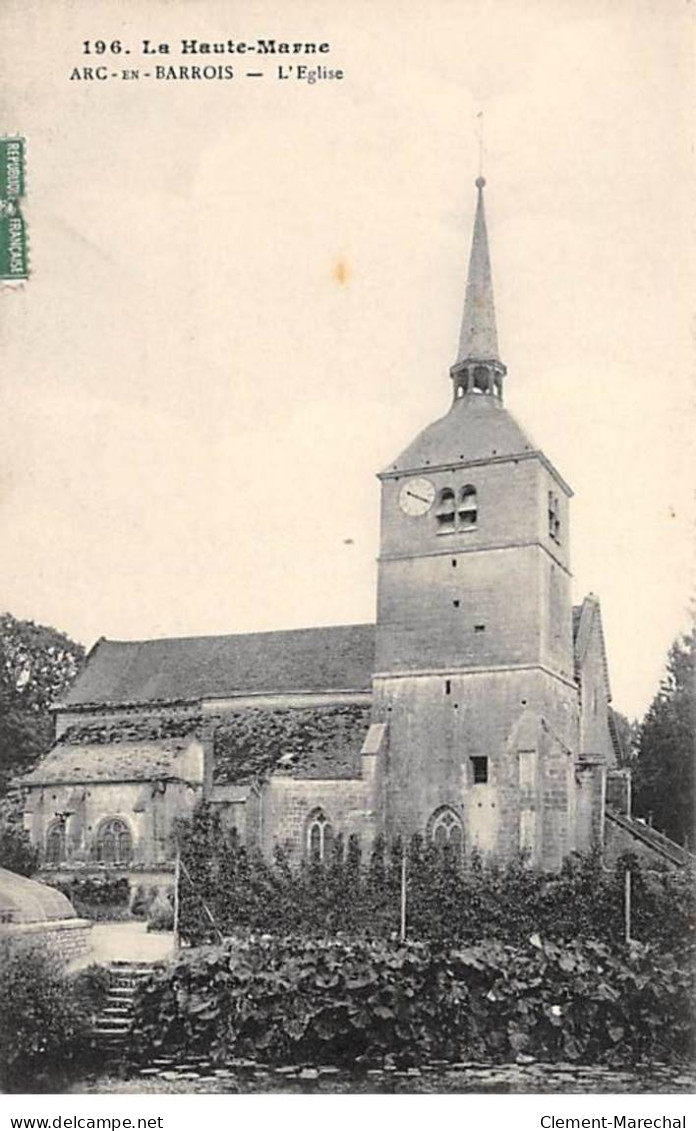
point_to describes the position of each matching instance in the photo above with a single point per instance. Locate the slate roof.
(475, 428)
(187, 669)
(118, 761)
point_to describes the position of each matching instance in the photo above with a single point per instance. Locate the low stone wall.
(69, 938)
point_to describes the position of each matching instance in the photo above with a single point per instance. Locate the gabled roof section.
(117, 762)
(188, 669)
(587, 620)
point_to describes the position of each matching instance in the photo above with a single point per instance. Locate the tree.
(664, 766)
(37, 665)
(17, 853)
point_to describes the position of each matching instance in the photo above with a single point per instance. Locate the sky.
(246, 295)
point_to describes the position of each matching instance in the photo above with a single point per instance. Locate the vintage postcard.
(346, 489)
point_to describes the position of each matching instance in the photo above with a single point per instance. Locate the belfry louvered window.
(456, 511)
(467, 508)
(446, 509)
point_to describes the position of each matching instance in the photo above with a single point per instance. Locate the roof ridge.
(231, 635)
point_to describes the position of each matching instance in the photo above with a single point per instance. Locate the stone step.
(113, 1025)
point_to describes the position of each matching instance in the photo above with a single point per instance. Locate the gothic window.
(445, 510)
(554, 517)
(446, 829)
(467, 510)
(55, 843)
(320, 837)
(114, 842)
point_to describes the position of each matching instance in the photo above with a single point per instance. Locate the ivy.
(311, 742)
(367, 1002)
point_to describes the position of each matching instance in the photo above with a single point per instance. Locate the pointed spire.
(479, 337)
(478, 342)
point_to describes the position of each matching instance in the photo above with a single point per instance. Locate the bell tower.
(474, 656)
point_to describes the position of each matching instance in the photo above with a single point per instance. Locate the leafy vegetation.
(160, 916)
(293, 1000)
(664, 767)
(97, 897)
(45, 1017)
(17, 853)
(226, 887)
(250, 743)
(37, 664)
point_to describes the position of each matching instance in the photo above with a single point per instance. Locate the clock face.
(416, 497)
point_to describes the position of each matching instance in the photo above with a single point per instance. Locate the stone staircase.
(112, 1026)
(653, 839)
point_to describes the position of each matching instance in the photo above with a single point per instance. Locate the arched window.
(445, 510)
(319, 836)
(467, 510)
(114, 842)
(445, 829)
(55, 843)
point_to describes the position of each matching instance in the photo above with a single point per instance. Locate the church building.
(475, 711)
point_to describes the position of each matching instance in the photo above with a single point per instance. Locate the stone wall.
(286, 804)
(68, 938)
(524, 722)
(148, 809)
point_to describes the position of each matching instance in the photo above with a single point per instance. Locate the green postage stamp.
(13, 229)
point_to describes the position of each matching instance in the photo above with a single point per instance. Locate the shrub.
(44, 1028)
(140, 904)
(17, 853)
(95, 897)
(292, 1000)
(226, 887)
(161, 913)
(90, 989)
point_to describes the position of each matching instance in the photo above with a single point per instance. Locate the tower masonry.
(474, 664)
